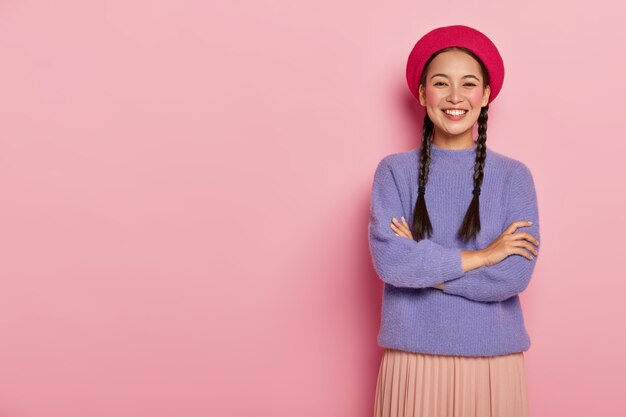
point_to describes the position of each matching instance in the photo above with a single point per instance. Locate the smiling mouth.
(455, 112)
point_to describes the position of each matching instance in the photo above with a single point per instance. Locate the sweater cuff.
(451, 265)
(455, 287)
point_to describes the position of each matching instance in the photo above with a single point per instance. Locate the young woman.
(454, 236)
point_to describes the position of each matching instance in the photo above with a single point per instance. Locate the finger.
(397, 230)
(397, 224)
(405, 229)
(531, 248)
(516, 225)
(522, 251)
(522, 243)
(526, 254)
(403, 226)
(526, 236)
(530, 238)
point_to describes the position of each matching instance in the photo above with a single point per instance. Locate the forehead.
(454, 63)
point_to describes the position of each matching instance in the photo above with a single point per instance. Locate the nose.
(455, 96)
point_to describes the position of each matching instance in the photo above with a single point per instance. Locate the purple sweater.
(478, 313)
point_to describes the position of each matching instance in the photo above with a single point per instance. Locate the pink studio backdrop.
(185, 190)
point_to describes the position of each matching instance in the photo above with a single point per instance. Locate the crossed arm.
(404, 262)
(470, 259)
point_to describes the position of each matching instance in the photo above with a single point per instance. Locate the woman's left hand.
(402, 229)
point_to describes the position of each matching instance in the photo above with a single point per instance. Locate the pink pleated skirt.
(423, 385)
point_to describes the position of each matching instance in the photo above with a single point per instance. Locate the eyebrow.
(465, 76)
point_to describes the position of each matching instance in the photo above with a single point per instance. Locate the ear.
(422, 95)
(486, 94)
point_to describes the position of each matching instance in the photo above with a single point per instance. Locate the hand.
(509, 243)
(401, 228)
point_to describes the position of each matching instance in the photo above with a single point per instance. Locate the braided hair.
(471, 222)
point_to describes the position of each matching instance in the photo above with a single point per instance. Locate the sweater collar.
(451, 158)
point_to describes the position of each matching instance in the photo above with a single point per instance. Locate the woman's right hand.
(509, 243)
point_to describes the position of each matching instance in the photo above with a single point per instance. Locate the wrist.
(480, 257)
(472, 259)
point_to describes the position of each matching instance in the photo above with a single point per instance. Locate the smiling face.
(454, 80)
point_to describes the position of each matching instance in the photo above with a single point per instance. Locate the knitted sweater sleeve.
(511, 275)
(400, 261)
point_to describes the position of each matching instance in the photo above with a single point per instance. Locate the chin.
(456, 134)
(456, 130)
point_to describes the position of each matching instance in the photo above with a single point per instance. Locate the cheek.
(476, 98)
(433, 97)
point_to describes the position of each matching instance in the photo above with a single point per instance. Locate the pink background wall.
(184, 192)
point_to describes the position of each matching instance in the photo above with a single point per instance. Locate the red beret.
(455, 35)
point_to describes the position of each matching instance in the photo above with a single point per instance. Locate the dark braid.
(421, 220)
(471, 222)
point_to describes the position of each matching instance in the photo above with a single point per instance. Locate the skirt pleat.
(424, 385)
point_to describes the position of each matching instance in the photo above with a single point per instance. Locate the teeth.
(456, 112)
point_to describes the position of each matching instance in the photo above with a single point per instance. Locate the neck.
(453, 142)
